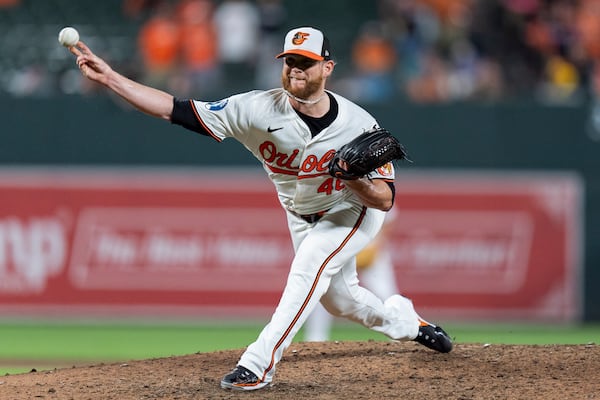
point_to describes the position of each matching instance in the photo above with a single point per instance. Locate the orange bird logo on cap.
(299, 38)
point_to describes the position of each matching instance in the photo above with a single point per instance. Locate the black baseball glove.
(366, 153)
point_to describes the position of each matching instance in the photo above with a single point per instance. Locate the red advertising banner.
(213, 243)
(491, 245)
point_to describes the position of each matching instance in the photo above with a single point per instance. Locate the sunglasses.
(299, 62)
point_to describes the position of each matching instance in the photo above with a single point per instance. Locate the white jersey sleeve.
(227, 117)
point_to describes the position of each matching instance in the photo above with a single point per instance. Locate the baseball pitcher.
(331, 165)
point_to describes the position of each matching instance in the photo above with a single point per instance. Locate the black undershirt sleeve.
(393, 189)
(183, 114)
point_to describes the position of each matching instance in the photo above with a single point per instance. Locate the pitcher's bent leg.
(328, 247)
(395, 318)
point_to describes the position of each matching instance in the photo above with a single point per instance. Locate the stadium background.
(51, 118)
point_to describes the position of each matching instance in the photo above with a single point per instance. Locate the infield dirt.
(337, 370)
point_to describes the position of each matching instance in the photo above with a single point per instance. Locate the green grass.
(526, 334)
(47, 345)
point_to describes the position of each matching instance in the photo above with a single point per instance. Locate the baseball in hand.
(68, 36)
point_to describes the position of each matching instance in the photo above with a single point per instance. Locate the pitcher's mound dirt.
(346, 370)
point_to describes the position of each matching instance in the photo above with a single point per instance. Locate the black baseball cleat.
(433, 337)
(242, 379)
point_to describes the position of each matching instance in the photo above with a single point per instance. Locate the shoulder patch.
(216, 105)
(386, 170)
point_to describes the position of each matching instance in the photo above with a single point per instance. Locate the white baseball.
(68, 36)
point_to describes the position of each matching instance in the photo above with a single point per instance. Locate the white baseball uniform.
(297, 164)
(379, 277)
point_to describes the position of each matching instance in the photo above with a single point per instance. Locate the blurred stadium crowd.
(428, 51)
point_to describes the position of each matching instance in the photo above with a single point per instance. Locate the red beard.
(311, 87)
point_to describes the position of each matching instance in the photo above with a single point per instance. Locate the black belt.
(310, 218)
